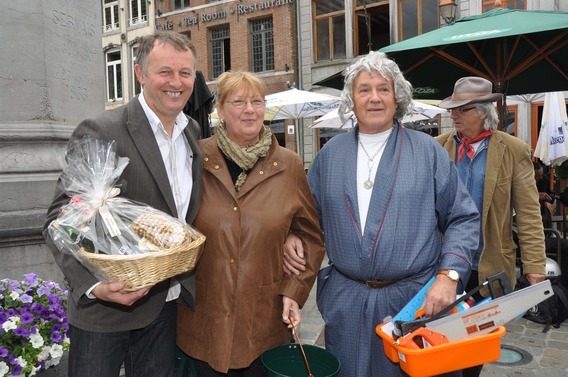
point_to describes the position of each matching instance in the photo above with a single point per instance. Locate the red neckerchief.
(466, 147)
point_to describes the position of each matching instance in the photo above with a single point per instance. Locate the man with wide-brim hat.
(498, 172)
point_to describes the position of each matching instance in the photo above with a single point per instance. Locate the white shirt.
(372, 143)
(178, 160)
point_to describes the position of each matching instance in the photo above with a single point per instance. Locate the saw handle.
(419, 336)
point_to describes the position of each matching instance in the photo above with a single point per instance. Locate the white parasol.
(420, 111)
(552, 146)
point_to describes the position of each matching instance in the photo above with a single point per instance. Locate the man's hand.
(112, 292)
(543, 196)
(291, 312)
(294, 261)
(441, 294)
(535, 278)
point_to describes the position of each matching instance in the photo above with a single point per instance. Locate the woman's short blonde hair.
(232, 81)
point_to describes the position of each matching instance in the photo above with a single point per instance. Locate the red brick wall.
(284, 24)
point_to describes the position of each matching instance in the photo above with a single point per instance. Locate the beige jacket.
(509, 185)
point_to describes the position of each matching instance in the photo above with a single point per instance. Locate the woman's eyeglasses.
(239, 103)
(461, 110)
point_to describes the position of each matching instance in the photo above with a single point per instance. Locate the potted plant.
(33, 332)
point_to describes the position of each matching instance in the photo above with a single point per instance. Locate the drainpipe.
(300, 130)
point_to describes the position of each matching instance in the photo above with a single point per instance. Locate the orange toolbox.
(455, 339)
(439, 355)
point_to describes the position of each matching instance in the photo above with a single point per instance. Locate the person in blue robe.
(394, 214)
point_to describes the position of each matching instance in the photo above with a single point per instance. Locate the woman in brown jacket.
(255, 193)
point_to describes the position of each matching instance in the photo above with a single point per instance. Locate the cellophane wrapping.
(98, 220)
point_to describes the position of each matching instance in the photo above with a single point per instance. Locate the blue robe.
(421, 219)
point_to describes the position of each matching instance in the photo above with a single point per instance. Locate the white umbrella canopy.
(293, 104)
(420, 111)
(296, 104)
(552, 146)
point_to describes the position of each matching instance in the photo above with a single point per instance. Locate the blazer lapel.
(145, 141)
(495, 153)
(350, 170)
(385, 181)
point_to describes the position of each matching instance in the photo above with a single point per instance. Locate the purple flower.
(14, 285)
(37, 311)
(31, 279)
(43, 291)
(22, 331)
(56, 337)
(37, 308)
(17, 370)
(26, 299)
(27, 318)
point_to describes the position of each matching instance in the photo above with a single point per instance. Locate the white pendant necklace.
(368, 184)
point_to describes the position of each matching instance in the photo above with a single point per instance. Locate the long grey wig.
(379, 62)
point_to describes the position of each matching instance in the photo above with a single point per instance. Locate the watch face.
(453, 275)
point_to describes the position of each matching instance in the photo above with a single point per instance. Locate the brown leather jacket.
(240, 281)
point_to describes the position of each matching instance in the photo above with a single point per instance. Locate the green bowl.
(287, 361)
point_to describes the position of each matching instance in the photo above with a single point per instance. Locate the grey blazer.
(144, 180)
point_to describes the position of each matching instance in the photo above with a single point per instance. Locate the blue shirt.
(472, 174)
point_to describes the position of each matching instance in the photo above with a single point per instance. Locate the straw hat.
(470, 90)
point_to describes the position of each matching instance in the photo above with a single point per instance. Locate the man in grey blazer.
(109, 327)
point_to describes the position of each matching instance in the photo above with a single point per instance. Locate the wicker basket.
(144, 270)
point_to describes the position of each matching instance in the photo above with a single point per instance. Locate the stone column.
(52, 75)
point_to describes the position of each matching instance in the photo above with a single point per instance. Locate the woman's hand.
(291, 312)
(294, 261)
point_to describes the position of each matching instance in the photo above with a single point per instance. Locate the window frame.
(420, 17)
(112, 7)
(136, 88)
(372, 7)
(487, 5)
(142, 12)
(183, 4)
(330, 18)
(116, 67)
(224, 48)
(266, 39)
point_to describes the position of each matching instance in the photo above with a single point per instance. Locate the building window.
(329, 25)
(113, 75)
(511, 120)
(417, 17)
(262, 40)
(180, 4)
(220, 38)
(138, 12)
(372, 25)
(511, 4)
(111, 15)
(135, 84)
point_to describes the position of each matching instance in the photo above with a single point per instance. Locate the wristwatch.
(451, 274)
